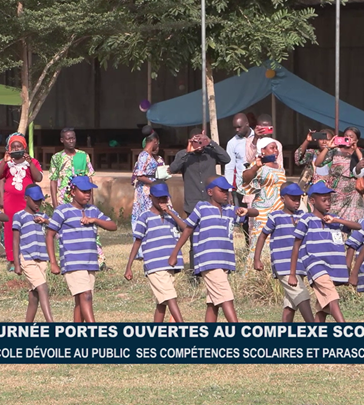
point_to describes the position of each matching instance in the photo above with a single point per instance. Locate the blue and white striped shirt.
(213, 245)
(32, 236)
(356, 241)
(77, 242)
(322, 250)
(281, 226)
(159, 238)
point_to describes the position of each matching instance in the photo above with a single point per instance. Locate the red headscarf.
(18, 138)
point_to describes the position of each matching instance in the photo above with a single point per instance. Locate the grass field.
(116, 300)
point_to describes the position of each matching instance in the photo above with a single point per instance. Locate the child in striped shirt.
(212, 225)
(156, 231)
(280, 226)
(30, 252)
(76, 223)
(319, 244)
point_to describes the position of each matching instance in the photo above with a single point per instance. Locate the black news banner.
(147, 343)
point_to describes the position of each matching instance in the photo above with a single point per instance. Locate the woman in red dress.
(18, 169)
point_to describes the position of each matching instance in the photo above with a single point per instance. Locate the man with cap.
(30, 252)
(320, 246)
(212, 223)
(280, 227)
(75, 224)
(157, 232)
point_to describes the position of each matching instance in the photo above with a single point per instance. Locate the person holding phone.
(264, 128)
(18, 169)
(306, 156)
(263, 179)
(346, 166)
(197, 163)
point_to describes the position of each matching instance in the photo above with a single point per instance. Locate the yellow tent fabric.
(9, 95)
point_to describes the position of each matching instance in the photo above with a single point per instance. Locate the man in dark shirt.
(196, 166)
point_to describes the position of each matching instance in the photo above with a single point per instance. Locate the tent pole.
(149, 95)
(274, 116)
(337, 67)
(203, 47)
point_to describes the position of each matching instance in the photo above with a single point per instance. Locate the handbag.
(359, 185)
(162, 173)
(305, 180)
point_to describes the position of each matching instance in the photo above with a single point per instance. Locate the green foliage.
(55, 34)
(239, 34)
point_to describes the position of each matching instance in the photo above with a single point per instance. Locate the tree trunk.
(212, 104)
(212, 107)
(23, 123)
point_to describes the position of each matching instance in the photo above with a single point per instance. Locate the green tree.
(40, 38)
(239, 34)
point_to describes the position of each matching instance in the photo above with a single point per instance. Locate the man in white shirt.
(236, 150)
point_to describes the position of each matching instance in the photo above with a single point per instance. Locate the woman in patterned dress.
(346, 167)
(264, 180)
(144, 174)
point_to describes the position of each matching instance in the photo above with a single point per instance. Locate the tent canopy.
(238, 93)
(9, 96)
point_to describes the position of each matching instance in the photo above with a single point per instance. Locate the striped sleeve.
(269, 226)
(56, 220)
(16, 222)
(140, 227)
(355, 240)
(301, 228)
(194, 218)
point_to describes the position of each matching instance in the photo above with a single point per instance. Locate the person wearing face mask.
(19, 170)
(264, 178)
(144, 174)
(346, 166)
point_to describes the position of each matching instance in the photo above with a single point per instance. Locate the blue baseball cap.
(83, 183)
(159, 190)
(220, 182)
(292, 189)
(35, 193)
(319, 188)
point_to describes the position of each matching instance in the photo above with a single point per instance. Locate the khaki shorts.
(325, 292)
(218, 286)
(79, 281)
(293, 296)
(162, 284)
(34, 271)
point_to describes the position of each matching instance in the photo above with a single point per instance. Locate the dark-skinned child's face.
(156, 201)
(33, 206)
(321, 202)
(218, 195)
(81, 197)
(291, 202)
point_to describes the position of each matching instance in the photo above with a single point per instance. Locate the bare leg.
(306, 312)
(159, 313)
(44, 302)
(32, 306)
(174, 310)
(77, 314)
(320, 316)
(335, 311)
(86, 306)
(211, 313)
(229, 311)
(288, 314)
